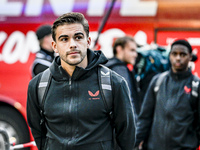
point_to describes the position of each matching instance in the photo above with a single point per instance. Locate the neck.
(120, 57)
(70, 68)
(84, 63)
(179, 71)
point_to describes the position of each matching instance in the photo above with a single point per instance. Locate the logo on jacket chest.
(93, 96)
(187, 90)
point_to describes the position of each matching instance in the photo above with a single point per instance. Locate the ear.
(191, 56)
(119, 49)
(54, 46)
(88, 42)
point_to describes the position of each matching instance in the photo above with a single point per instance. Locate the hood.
(114, 62)
(94, 59)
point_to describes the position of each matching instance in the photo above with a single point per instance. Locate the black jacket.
(43, 60)
(121, 68)
(76, 117)
(168, 121)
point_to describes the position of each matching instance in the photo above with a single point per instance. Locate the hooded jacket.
(169, 119)
(121, 68)
(75, 114)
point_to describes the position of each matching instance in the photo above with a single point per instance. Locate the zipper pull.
(70, 81)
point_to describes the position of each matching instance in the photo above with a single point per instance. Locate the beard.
(73, 59)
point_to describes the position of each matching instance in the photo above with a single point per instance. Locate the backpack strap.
(159, 81)
(195, 86)
(195, 93)
(42, 90)
(43, 87)
(195, 100)
(104, 75)
(105, 85)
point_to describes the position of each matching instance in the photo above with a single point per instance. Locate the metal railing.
(6, 145)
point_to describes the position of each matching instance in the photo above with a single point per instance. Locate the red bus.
(159, 21)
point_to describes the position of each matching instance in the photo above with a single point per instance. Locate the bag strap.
(195, 93)
(159, 81)
(105, 85)
(43, 87)
(195, 86)
(195, 100)
(104, 75)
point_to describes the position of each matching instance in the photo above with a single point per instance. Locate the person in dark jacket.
(44, 57)
(169, 118)
(75, 114)
(124, 50)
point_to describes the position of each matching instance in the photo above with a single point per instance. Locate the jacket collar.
(180, 75)
(115, 62)
(94, 59)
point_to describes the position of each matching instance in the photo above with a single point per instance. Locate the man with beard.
(74, 112)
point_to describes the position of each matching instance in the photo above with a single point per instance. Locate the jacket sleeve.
(33, 114)
(123, 114)
(146, 115)
(124, 72)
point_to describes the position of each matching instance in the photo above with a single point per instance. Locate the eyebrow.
(62, 36)
(68, 36)
(79, 33)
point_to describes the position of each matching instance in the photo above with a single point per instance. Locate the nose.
(72, 44)
(135, 54)
(178, 57)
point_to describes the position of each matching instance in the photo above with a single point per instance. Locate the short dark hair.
(70, 18)
(122, 41)
(183, 42)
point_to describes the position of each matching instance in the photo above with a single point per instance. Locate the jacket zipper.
(69, 143)
(70, 82)
(167, 133)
